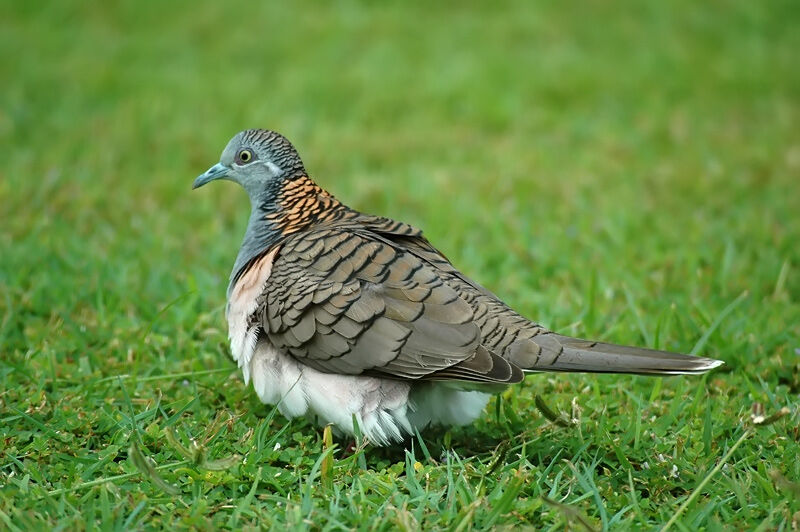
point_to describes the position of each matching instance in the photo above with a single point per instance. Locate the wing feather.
(343, 301)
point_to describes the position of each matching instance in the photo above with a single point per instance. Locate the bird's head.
(257, 159)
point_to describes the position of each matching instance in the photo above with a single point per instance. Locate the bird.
(358, 321)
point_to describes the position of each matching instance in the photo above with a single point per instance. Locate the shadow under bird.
(337, 315)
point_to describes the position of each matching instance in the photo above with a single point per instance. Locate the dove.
(349, 318)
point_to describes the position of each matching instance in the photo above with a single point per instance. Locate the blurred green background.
(627, 172)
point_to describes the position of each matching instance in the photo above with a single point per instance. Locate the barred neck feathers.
(292, 205)
(302, 204)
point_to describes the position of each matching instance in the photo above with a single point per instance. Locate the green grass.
(627, 173)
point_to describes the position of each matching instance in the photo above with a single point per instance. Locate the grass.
(627, 173)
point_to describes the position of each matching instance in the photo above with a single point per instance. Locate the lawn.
(629, 173)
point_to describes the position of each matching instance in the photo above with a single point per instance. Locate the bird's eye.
(244, 156)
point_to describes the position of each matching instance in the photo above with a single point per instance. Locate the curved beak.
(218, 171)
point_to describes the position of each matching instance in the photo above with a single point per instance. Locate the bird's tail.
(562, 353)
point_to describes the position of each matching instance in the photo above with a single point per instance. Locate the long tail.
(562, 353)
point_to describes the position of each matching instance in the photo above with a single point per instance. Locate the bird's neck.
(289, 207)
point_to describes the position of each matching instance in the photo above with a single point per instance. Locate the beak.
(218, 171)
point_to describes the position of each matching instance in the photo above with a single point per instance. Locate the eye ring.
(244, 156)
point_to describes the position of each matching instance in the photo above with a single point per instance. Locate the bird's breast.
(242, 303)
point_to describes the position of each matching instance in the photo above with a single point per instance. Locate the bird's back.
(501, 330)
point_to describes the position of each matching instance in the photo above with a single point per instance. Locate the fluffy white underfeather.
(440, 403)
(386, 410)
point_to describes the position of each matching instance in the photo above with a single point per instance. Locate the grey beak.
(218, 171)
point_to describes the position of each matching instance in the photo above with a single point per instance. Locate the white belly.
(386, 410)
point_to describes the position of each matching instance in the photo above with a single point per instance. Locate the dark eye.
(244, 156)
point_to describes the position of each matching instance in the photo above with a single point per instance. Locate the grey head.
(259, 160)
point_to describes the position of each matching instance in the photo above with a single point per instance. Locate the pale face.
(243, 161)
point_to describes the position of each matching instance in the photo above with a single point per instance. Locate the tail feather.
(555, 352)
